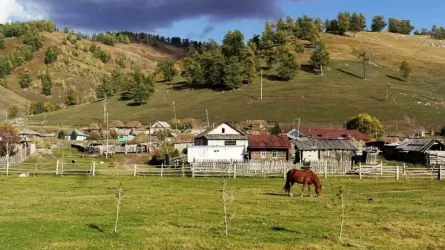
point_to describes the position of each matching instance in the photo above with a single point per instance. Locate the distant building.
(75, 135)
(159, 126)
(417, 151)
(329, 134)
(220, 143)
(182, 141)
(312, 150)
(268, 147)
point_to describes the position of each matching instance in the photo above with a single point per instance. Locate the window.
(223, 131)
(263, 154)
(230, 143)
(274, 154)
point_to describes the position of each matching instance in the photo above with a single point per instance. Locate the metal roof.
(268, 141)
(308, 144)
(418, 145)
(329, 134)
(205, 133)
(162, 123)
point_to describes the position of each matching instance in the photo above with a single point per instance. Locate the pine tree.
(320, 56)
(141, 87)
(344, 22)
(25, 80)
(233, 43)
(47, 84)
(71, 97)
(2, 40)
(249, 62)
(288, 65)
(233, 73)
(268, 36)
(405, 69)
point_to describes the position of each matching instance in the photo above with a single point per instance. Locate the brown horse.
(305, 177)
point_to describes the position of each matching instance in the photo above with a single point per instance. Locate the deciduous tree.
(47, 84)
(364, 59)
(249, 64)
(288, 65)
(25, 80)
(367, 124)
(320, 56)
(233, 43)
(167, 69)
(378, 23)
(405, 70)
(233, 73)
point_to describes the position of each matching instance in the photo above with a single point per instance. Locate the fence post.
(183, 172)
(397, 173)
(440, 172)
(381, 168)
(326, 170)
(193, 171)
(360, 170)
(57, 168)
(135, 169)
(234, 171)
(94, 168)
(162, 169)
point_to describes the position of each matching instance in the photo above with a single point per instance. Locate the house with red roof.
(268, 147)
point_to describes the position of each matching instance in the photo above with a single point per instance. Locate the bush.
(47, 84)
(102, 55)
(25, 80)
(3, 82)
(13, 112)
(33, 39)
(442, 131)
(51, 54)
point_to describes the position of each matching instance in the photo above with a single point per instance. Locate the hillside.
(78, 69)
(325, 100)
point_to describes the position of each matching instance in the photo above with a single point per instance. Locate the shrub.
(51, 54)
(25, 80)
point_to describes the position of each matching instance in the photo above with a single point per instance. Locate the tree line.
(435, 32)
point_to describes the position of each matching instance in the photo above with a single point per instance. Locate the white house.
(222, 142)
(75, 135)
(159, 126)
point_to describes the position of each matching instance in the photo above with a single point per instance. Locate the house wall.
(80, 138)
(181, 147)
(255, 155)
(215, 153)
(310, 156)
(244, 143)
(227, 130)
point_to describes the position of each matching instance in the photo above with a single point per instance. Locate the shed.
(308, 149)
(268, 147)
(417, 151)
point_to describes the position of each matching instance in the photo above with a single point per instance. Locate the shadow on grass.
(379, 99)
(134, 104)
(272, 77)
(95, 227)
(275, 194)
(395, 78)
(308, 68)
(182, 226)
(283, 229)
(349, 73)
(184, 85)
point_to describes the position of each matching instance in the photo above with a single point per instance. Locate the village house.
(329, 134)
(182, 141)
(27, 133)
(159, 126)
(314, 150)
(268, 147)
(220, 143)
(417, 151)
(74, 135)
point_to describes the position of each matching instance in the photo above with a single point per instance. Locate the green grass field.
(186, 213)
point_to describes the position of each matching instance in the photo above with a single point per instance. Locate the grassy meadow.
(186, 213)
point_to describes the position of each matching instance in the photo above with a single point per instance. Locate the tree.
(364, 59)
(2, 41)
(275, 130)
(378, 23)
(271, 56)
(8, 142)
(405, 69)
(249, 62)
(357, 22)
(344, 22)
(306, 28)
(167, 69)
(101, 54)
(25, 80)
(233, 43)
(51, 54)
(13, 112)
(47, 84)
(366, 124)
(268, 36)
(34, 39)
(288, 65)
(233, 73)
(140, 87)
(193, 71)
(71, 97)
(320, 56)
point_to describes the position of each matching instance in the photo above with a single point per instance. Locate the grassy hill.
(324, 100)
(78, 69)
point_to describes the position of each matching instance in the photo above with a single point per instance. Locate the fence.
(279, 169)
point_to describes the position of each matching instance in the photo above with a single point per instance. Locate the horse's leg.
(290, 189)
(309, 189)
(302, 189)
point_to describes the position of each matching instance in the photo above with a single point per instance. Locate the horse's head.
(318, 189)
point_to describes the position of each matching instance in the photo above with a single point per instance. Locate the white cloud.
(19, 10)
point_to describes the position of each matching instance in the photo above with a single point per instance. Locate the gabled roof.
(329, 134)
(184, 138)
(75, 131)
(309, 144)
(219, 124)
(418, 145)
(268, 141)
(162, 124)
(29, 132)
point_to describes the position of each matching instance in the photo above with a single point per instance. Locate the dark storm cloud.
(148, 15)
(207, 30)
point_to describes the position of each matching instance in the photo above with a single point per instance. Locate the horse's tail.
(288, 184)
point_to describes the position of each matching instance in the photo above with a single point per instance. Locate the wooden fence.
(278, 169)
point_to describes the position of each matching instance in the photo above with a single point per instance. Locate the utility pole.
(261, 84)
(105, 109)
(106, 155)
(208, 122)
(298, 128)
(174, 111)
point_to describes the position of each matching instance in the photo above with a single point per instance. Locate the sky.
(205, 19)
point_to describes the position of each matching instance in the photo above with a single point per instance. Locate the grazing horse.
(305, 177)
